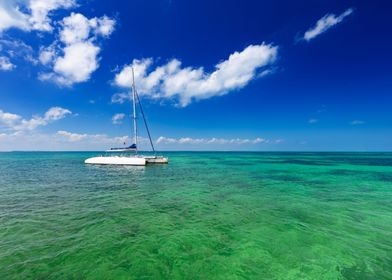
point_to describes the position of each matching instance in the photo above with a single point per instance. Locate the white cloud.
(61, 140)
(8, 119)
(185, 84)
(30, 14)
(78, 35)
(189, 140)
(120, 97)
(66, 140)
(12, 45)
(101, 138)
(40, 9)
(117, 118)
(77, 64)
(103, 26)
(11, 16)
(73, 57)
(75, 29)
(325, 23)
(56, 113)
(14, 50)
(5, 64)
(357, 122)
(16, 122)
(4, 136)
(30, 124)
(313, 121)
(72, 137)
(47, 55)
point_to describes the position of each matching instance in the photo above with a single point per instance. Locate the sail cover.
(124, 149)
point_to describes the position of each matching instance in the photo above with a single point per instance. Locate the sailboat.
(129, 155)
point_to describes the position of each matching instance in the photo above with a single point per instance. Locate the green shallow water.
(203, 216)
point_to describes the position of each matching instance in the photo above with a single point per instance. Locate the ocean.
(205, 215)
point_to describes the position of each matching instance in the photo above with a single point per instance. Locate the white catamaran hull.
(130, 160)
(156, 159)
(116, 160)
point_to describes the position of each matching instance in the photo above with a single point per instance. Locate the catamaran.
(129, 155)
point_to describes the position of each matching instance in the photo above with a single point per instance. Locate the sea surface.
(205, 215)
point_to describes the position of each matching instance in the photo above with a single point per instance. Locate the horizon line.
(219, 151)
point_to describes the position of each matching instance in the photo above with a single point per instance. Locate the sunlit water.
(203, 216)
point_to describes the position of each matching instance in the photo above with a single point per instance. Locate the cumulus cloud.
(325, 23)
(189, 140)
(47, 54)
(117, 118)
(74, 56)
(56, 113)
(78, 44)
(185, 84)
(103, 26)
(40, 9)
(312, 121)
(16, 122)
(5, 64)
(75, 29)
(76, 65)
(31, 14)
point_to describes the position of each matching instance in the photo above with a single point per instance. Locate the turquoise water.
(203, 216)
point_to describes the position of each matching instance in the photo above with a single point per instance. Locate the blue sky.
(213, 75)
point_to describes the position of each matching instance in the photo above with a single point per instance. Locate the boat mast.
(134, 109)
(135, 98)
(145, 121)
